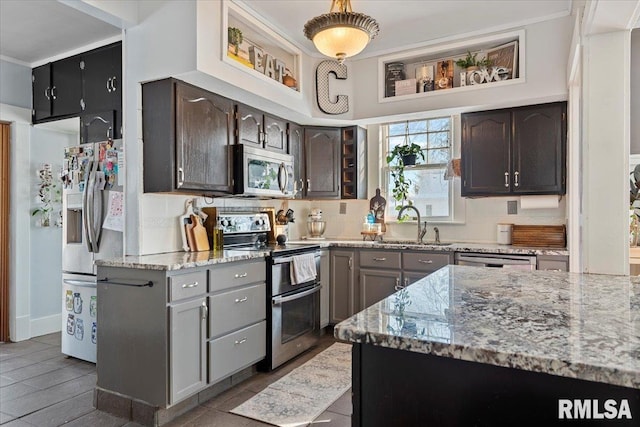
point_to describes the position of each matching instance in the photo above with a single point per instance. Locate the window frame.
(385, 177)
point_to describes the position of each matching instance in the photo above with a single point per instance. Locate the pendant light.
(341, 33)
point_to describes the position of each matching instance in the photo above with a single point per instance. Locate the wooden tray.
(546, 236)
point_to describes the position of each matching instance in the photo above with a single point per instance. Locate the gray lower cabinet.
(343, 303)
(376, 285)
(187, 342)
(325, 272)
(237, 321)
(552, 262)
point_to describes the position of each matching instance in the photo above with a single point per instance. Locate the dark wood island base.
(394, 387)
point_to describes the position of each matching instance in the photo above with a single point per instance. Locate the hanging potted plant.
(402, 155)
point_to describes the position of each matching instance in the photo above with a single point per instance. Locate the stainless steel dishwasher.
(519, 262)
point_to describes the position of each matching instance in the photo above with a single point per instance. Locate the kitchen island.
(481, 346)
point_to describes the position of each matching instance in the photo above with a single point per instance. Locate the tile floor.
(41, 387)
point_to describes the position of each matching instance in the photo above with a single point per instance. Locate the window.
(430, 192)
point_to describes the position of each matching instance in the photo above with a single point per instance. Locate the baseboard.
(46, 325)
(21, 329)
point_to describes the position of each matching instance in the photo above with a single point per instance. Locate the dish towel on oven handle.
(303, 268)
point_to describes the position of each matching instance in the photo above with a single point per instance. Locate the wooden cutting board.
(546, 236)
(188, 231)
(200, 238)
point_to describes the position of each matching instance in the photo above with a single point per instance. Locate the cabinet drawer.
(236, 351)
(424, 261)
(236, 308)
(187, 285)
(236, 274)
(380, 259)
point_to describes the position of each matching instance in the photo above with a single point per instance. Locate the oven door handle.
(281, 300)
(286, 259)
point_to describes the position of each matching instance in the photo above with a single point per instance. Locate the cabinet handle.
(515, 179)
(109, 133)
(204, 310)
(190, 285)
(242, 341)
(47, 93)
(425, 261)
(308, 184)
(406, 282)
(350, 263)
(241, 275)
(554, 269)
(506, 179)
(180, 177)
(380, 259)
(397, 287)
(109, 85)
(53, 94)
(240, 300)
(113, 83)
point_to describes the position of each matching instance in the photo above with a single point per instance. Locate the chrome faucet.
(437, 234)
(422, 230)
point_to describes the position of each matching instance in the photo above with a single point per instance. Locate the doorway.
(4, 230)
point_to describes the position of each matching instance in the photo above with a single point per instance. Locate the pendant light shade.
(341, 33)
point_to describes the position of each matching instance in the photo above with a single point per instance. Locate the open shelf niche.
(263, 53)
(420, 72)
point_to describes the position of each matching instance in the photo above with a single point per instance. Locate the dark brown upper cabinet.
(255, 128)
(322, 163)
(87, 83)
(295, 135)
(354, 163)
(97, 127)
(102, 82)
(57, 90)
(188, 133)
(517, 151)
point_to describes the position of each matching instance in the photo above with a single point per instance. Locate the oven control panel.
(244, 223)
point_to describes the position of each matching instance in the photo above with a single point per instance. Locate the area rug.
(306, 392)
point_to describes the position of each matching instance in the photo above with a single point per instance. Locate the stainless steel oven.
(295, 311)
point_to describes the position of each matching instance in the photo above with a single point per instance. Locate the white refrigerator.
(92, 222)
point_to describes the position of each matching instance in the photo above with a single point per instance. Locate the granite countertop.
(180, 260)
(567, 324)
(492, 248)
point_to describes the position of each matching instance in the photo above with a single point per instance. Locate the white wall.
(606, 126)
(15, 81)
(635, 91)
(46, 242)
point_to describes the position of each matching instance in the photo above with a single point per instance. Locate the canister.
(504, 234)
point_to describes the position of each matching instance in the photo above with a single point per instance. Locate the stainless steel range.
(293, 309)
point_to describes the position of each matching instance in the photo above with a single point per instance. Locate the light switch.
(343, 208)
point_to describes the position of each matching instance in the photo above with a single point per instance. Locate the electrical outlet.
(343, 208)
(512, 207)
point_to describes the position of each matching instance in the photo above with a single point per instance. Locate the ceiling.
(35, 30)
(406, 23)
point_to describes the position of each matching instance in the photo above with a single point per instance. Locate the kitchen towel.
(539, 202)
(303, 268)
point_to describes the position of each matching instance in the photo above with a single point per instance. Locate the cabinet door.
(66, 92)
(409, 277)
(322, 163)
(342, 295)
(102, 82)
(41, 91)
(275, 134)
(486, 142)
(539, 149)
(249, 123)
(376, 285)
(203, 138)
(97, 127)
(296, 143)
(187, 353)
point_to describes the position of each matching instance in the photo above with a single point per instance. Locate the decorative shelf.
(432, 71)
(263, 53)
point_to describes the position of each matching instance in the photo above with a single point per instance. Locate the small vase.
(409, 159)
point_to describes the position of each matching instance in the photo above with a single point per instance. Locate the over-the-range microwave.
(262, 173)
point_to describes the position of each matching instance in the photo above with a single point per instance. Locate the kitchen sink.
(411, 242)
